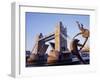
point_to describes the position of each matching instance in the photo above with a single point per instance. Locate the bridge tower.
(40, 47)
(60, 40)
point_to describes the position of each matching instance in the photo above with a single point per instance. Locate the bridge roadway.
(51, 36)
(48, 37)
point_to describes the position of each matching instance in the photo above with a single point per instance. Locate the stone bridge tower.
(60, 38)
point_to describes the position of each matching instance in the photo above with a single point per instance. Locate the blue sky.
(45, 23)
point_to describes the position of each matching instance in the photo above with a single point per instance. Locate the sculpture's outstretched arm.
(79, 26)
(80, 45)
(84, 43)
(77, 35)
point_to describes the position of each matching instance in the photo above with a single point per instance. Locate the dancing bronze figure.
(84, 32)
(74, 49)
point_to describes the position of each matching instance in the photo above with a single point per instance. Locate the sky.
(46, 22)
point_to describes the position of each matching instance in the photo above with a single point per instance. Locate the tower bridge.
(59, 35)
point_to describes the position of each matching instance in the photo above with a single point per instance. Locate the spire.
(59, 25)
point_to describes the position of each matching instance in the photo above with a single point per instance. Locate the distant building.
(28, 53)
